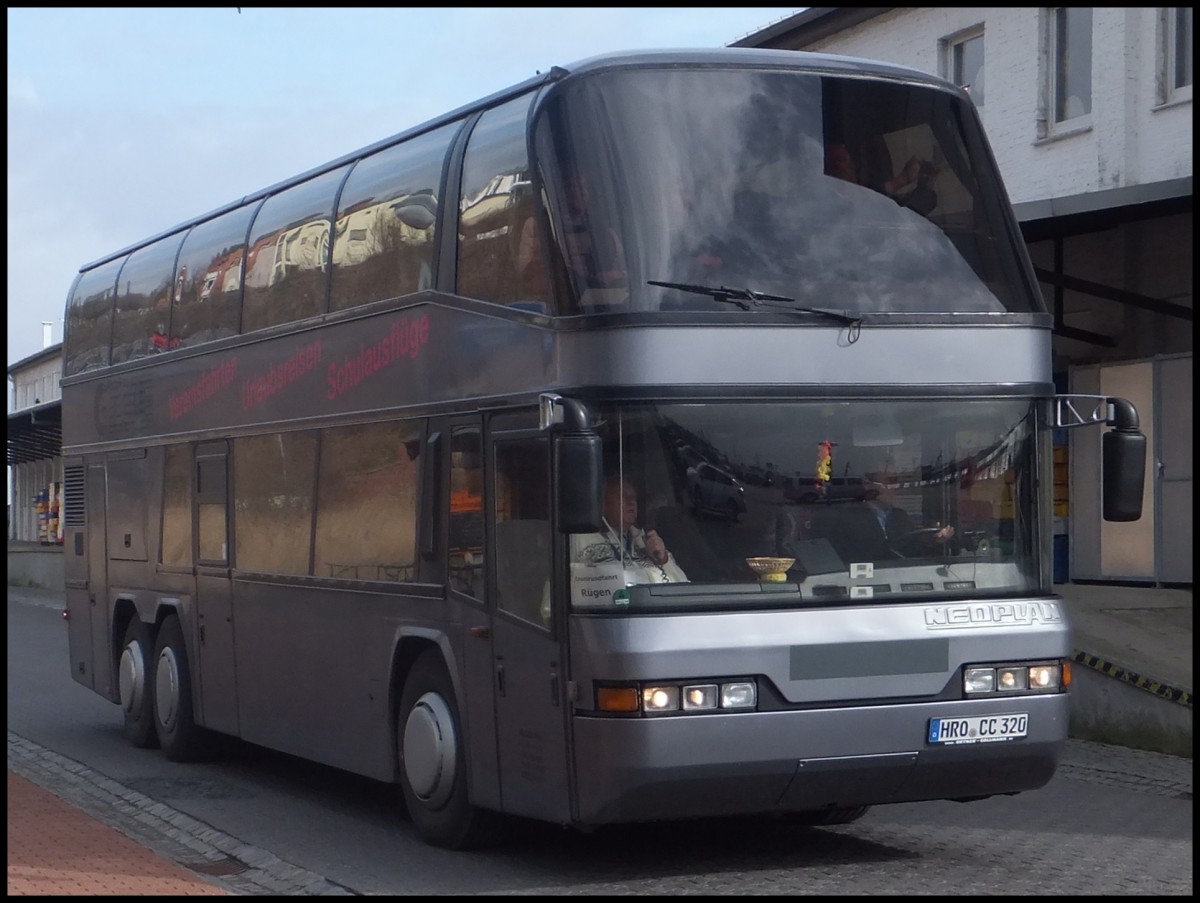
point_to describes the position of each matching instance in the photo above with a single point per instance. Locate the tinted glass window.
(88, 339)
(208, 279)
(273, 482)
(212, 507)
(499, 248)
(143, 306)
(842, 193)
(367, 502)
(523, 535)
(466, 512)
(288, 254)
(863, 500)
(177, 506)
(383, 238)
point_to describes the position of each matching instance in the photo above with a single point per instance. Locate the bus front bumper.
(647, 769)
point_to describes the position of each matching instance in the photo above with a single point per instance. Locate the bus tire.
(134, 685)
(182, 740)
(433, 764)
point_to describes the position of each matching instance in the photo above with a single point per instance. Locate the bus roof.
(827, 63)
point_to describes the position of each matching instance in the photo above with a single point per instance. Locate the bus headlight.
(1045, 677)
(660, 699)
(979, 680)
(1016, 679)
(740, 695)
(677, 697)
(700, 697)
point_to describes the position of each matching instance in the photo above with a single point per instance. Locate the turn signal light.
(617, 699)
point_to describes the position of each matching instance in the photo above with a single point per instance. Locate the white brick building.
(35, 447)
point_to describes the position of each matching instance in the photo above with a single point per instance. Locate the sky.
(125, 122)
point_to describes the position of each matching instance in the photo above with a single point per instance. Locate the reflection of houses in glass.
(501, 193)
(299, 247)
(373, 227)
(223, 275)
(383, 247)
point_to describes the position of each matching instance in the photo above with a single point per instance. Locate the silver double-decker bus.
(667, 436)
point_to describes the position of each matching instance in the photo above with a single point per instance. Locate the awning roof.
(35, 434)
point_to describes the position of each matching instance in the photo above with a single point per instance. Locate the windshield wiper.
(746, 299)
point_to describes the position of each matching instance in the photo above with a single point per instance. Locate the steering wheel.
(917, 543)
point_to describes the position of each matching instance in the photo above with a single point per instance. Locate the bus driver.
(643, 554)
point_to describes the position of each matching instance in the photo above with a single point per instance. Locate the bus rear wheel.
(433, 765)
(133, 683)
(182, 740)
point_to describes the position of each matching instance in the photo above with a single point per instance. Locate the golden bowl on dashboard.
(772, 570)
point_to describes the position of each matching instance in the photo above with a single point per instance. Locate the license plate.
(978, 729)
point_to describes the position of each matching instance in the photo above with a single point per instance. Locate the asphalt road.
(1112, 821)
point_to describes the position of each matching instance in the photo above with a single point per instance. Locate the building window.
(1176, 31)
(1070, 63)
(966, 65)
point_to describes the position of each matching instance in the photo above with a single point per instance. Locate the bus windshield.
(857, 500)
(829, 191)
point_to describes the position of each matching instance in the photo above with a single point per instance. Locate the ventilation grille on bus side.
(73, 496)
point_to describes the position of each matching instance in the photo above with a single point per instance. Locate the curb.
(1158, 688)
(238, 867)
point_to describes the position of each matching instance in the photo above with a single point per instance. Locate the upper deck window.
(843, 193)
(143, 306)
(88, 337)
(288, 254)
(208, 279)
(499, 250)
(383, 237)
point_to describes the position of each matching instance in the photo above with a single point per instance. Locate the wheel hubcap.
(131, 677)
(430, 749)
(166, 688)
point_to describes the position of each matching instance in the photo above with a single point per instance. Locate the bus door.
(214, 609)
(529, 664)
(466, 582)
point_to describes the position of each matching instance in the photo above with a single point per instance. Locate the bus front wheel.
(433, 767)
(133, 682)
(182, 740)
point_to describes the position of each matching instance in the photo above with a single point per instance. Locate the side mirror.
(578, 459)
(1124, 474)
(1123, 458)
(578, 482)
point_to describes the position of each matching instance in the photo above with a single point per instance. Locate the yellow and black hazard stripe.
(1157, 687)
